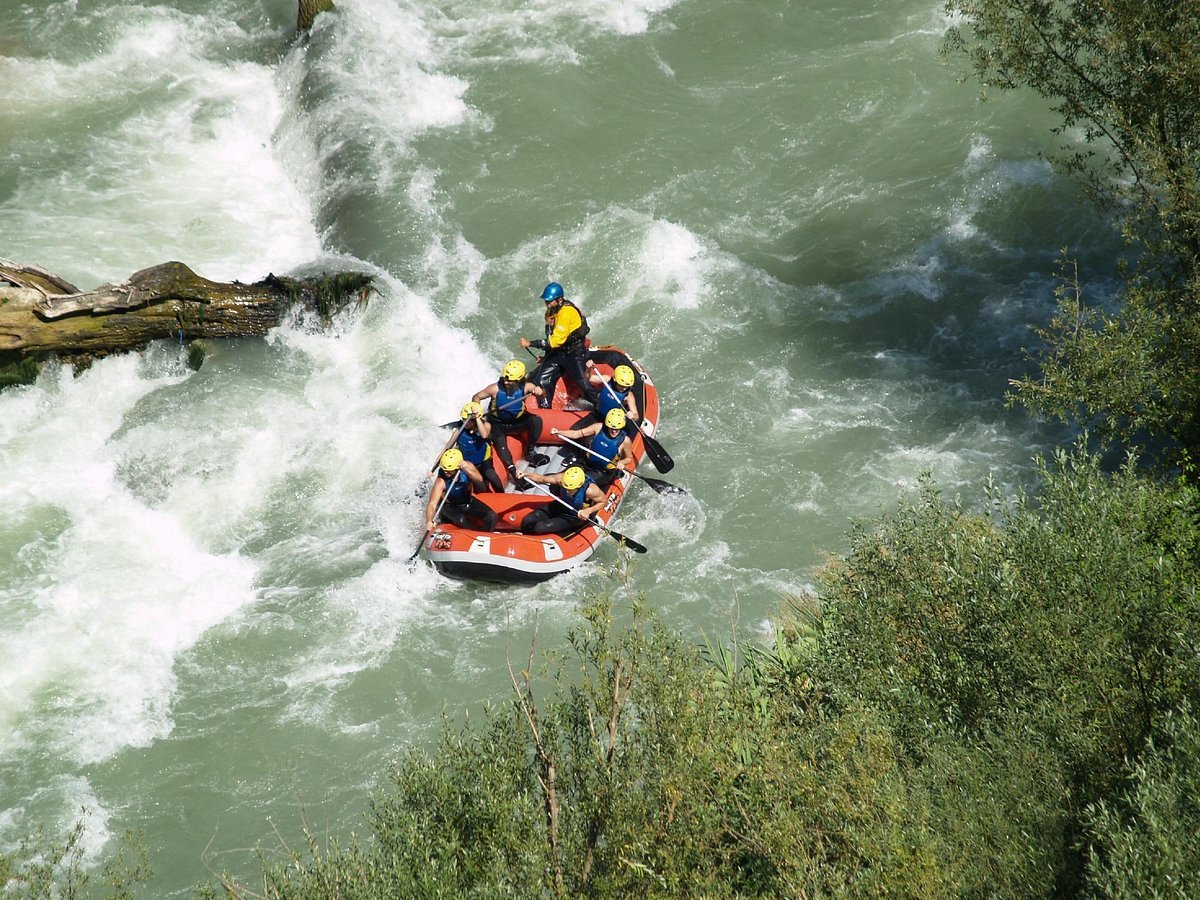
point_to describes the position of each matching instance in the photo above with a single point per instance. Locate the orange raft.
(505, 555)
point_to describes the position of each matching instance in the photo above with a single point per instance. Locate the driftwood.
(42, 315)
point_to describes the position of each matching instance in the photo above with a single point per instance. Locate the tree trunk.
(308, 11)
(42, 315)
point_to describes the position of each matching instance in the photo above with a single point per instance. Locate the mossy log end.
(42, 315)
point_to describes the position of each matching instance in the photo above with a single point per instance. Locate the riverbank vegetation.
(1125, 79)
(995, 703)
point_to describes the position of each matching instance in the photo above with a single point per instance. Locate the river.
(821, 244)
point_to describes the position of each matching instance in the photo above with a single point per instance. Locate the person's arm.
(473, 474)
(598, 500)
(566, 320)
(489, 391)
(624, 455)
(578, 434)
(531, 388)
(631, 407)
(435, 495)
(484, 426)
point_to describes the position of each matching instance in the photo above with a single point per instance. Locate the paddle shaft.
(616, 535)
(659, 486)
(513, 402)
(437, 512)
(657, 453)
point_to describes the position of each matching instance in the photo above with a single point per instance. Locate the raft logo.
(439, 541)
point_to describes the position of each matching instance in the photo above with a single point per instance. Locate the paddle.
(624, 539)
(662, 487)
(514, 402)
(454, 437)
(438, 512)
(656, 451)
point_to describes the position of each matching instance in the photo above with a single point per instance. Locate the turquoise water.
(824, 248)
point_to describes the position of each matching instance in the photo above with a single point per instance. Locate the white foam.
(542, 30)
(674, 264)
(629, 16)
(987, 177)
(74, 802)
(196, 179)
(120, 593)
(393, 96)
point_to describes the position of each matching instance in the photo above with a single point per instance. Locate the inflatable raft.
(505, 555)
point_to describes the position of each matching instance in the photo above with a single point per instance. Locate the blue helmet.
(552, 292)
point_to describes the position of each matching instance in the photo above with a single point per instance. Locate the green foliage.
(1056, 639)
(972, 706)
(629, 778)
(197, 352)
(1128, 375)
(1146, 838)
(42, 867)
(1124, 76)
(24, 371)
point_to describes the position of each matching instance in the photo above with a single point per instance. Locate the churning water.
(825, 250)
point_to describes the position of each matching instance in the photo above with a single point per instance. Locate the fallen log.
(43, 315)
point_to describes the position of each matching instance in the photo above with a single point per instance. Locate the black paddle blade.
(663, 487)
(628, 541)
(658, 454)
(617, 536)
(412, 560)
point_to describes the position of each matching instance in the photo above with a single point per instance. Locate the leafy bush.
(1145, 840)
(1056, 635)
(963, 717)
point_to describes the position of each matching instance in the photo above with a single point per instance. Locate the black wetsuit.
(508, 415)
(554, 518)
(461, 507)
(570, 359)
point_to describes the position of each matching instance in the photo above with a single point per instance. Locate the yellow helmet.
(623, 376)
(514, 370)
(615, 418)
(470, 410)
(573, 478)
(451, 460)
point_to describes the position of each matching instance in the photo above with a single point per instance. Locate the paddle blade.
(658, 454)
(421, 543)
(617, 536)
(628, 541)
(663, 487)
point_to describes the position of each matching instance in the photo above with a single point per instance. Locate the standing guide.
(564, 346)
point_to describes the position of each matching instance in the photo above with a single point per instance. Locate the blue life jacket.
(508, 407)
(604, 449)
(475, 449)
(577, 498)
(459, 487)
(607, 403)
